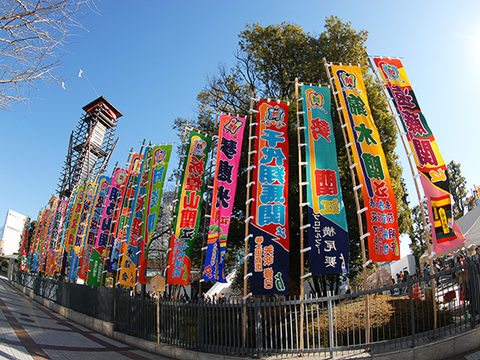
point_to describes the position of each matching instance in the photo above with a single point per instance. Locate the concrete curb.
(443, 349)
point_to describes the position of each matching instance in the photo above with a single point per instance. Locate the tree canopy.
(267, 61)
(458, 189)
(416, 233)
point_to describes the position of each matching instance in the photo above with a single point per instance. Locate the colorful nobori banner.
(229, 150)
(64, 233)
(188, 209)
(24, 247)
(70, 255)
(378, 197)
(156, 178)
(77, 250)
(130, 250)
(269, 235)
(104, 238)
(55, 234)
(125, 212)
(42, 239)
(76, 211)
(430, 165)
(33, 245)
(80, 236)
(85, 249)
(94, 227)
(46, 246)
(327, 234)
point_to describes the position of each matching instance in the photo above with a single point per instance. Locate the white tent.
(222, 288)
(469, 224)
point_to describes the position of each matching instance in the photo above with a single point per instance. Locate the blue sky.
(150, 59)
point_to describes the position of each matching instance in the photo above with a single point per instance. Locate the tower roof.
(113, 112)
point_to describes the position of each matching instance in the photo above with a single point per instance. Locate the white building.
(11, 233)
(405, 263)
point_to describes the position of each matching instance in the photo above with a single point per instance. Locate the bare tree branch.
(33, 38)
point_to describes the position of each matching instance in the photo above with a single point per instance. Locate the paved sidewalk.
(473, 355)
(31, 331)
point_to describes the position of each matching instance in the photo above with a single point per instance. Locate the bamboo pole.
(357, 204)
(300, 194)
(247, 220)
(300, 200)
(417, 188)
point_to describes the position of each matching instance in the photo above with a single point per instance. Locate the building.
(11, 233)
(407, 263)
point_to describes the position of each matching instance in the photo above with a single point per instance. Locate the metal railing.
(94, 301)
(401, 316)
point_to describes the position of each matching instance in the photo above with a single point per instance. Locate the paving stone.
(60, 338)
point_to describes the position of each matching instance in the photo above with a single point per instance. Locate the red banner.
(431, 167)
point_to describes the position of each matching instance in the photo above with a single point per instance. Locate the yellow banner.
(370, 164)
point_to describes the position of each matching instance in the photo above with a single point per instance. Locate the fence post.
(158, 319)
(412, 313)
(258, 328)
(128, 310)
(330, 323)
(200, 327)
(472, 290)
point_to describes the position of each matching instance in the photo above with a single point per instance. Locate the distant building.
(11, 233)
(408, 263)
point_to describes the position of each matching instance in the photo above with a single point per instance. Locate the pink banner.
(228, 157)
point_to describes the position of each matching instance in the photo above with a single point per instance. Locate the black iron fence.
(95, 301)
(384, 319)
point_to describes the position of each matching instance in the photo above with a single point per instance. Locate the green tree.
(458, 189)
(267, 61)
(417, 234)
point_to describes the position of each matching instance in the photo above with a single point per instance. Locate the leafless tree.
(33, 37)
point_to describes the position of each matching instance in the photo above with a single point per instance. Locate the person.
(405, 279)
(427, 270)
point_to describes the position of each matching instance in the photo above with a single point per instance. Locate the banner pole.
(357, 204)
(247, 215)
(300, 201)
(417, 188)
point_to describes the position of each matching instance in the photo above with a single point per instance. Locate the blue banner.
(327, 234)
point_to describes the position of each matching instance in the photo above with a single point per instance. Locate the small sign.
(157, 283)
